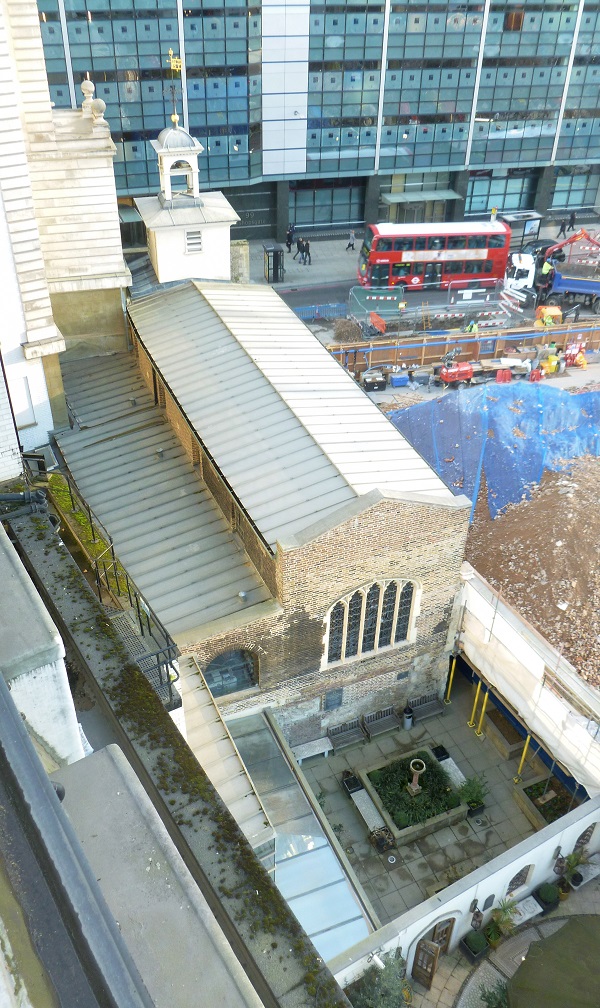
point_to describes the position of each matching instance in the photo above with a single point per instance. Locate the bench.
(426, 706)
(380, 721)
(318, 747)
(345, 734)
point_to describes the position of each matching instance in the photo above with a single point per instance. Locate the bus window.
(367, 240)
(477, 242)
(454, 266)
(488, 266)
(400, 270)
(433, 273)
(497, 241)
(403, 244)
(457, 241)
(380, 275)
(384, 245)
(420, 243)
(418, 268)
(473, 266)
(439, 242)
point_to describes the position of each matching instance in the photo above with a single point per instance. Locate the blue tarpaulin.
(508, 433)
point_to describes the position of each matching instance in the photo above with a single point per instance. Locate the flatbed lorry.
(551, 279)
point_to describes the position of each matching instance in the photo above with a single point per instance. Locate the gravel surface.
(542, 554)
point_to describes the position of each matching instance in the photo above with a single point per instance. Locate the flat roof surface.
(167, 530)
(172, 936)
(299, 437)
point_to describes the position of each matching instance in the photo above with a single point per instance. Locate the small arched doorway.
(428, 950)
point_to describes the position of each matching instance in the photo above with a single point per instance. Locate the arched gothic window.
(369, 619)
(230, 672)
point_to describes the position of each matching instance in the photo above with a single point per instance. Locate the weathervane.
(175, 63)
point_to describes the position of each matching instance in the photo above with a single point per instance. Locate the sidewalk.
(331, 264)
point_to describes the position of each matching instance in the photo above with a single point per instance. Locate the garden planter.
(473, 954)
(475, 810)
(546, 901)
(576, 880)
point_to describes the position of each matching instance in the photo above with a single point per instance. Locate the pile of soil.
(542, 555)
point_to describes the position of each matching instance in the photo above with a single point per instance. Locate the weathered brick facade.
(376, 539)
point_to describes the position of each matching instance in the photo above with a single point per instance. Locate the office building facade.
(331, 113)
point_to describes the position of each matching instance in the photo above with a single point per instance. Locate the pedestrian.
(299, 248)
(307, 259)
(562, 231)
(572, 216)
(351, 240)
(289, 237)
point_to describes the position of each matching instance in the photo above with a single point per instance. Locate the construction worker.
(472, 327)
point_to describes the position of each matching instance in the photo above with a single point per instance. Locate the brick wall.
(391, 540)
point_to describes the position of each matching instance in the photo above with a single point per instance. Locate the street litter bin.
(407, 717)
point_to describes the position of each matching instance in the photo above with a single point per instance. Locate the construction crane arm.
(575, 237)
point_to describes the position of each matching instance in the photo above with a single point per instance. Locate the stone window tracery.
(369, 619)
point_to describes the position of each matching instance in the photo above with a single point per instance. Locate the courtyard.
(399, 879)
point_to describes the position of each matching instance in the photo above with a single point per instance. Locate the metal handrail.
(148, 622)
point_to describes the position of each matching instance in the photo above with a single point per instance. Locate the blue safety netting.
(508, 433)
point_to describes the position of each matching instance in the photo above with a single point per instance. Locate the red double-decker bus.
(434, 256)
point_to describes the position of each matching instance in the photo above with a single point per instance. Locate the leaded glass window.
(336, 629)
(404, 608)
(353, 629)
(372, 617)
(387, 614)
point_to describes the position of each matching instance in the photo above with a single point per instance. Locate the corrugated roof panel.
(167, 530)
(298, 437)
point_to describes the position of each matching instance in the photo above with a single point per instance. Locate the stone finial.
(88, 88)
(98, 109)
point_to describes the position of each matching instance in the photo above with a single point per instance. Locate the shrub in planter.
(473, 945)
(474, 792)
(503, 916)
(573, 862)
(493, 934)
(547, 896)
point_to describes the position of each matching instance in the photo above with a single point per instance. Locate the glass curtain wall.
(123, 46)
(526, 53)
(580, 132)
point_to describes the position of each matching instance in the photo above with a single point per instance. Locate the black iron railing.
(111, 579)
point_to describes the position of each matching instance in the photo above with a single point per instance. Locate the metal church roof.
(290, 430)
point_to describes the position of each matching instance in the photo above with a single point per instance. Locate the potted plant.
(547, 895)
(473, 793)
(502, 921)
(573, 863)
(493, 934)
(473, 945)
(504, 915)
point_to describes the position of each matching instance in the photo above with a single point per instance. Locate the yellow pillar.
(479, 732)
(471, 723)
(447, 699)
(518, 778)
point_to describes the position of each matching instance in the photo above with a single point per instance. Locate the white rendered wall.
(43, 698)
(32, 661)
(493, 878)
(172, 262)
(514, 658)
(25, 378)
(285, 36)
